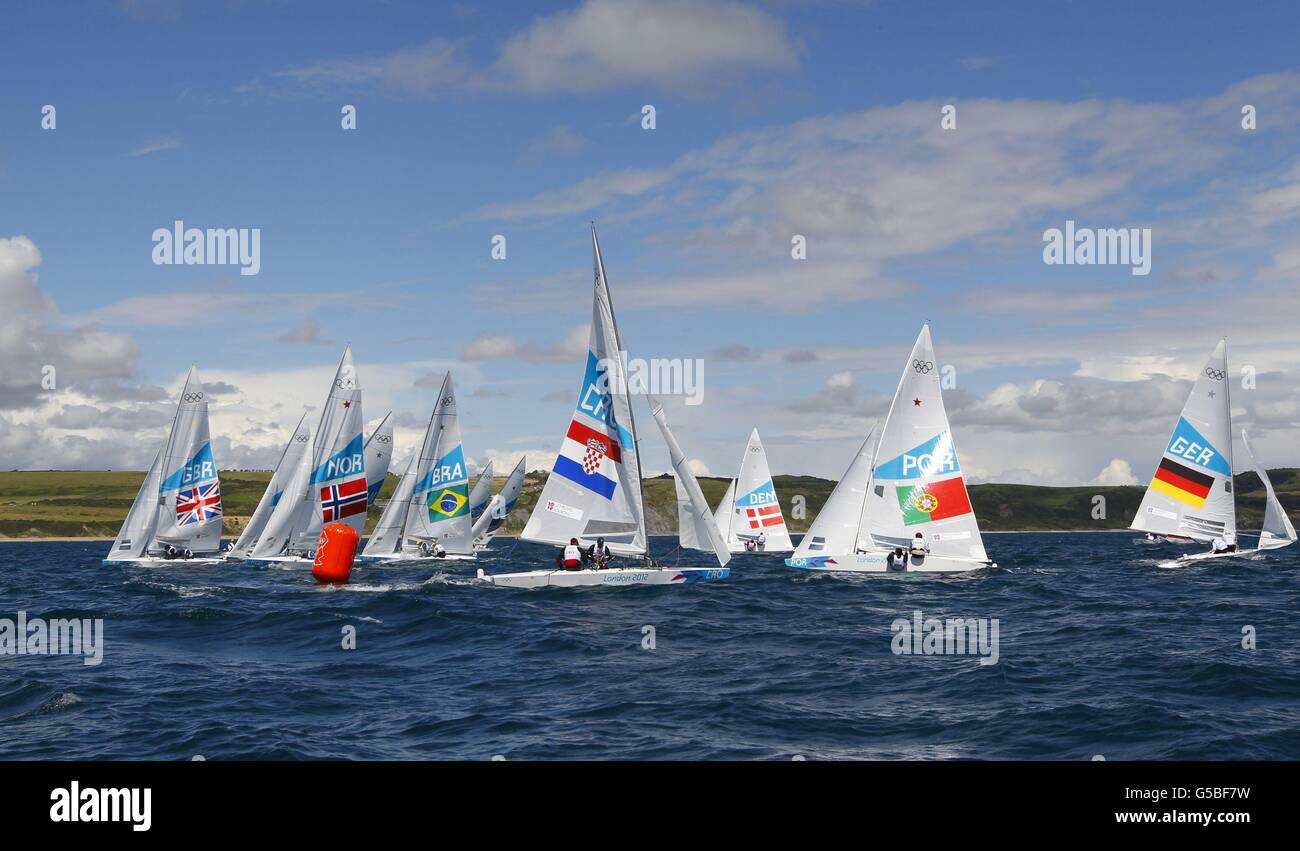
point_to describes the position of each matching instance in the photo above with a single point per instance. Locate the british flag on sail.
(198, 504)
(590, 457)
(343, 499)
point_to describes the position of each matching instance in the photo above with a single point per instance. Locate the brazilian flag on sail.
(449, 502)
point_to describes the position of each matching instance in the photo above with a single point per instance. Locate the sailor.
(762, 539)
(1225, 544)
(599, 555)
(750, 545)
(438, 550)
(920, 549)
(896, 560)
(572, 555)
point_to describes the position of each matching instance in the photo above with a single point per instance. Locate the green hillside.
(93, 504)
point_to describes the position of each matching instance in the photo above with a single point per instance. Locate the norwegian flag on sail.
(767, 515)
(343, 500)
(198, 504)
(590, 458)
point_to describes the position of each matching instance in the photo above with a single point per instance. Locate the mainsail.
(379, 453)
(290, 458)
(688, 536)
(1277, 531)
(917, 485)
(755, 507)
(726, 510)
(329, 484)
(386, 538)
(499, 508)
(594, 489)
(1190, 495)
(481, 494)
(700, 520)
(438, 509)
(838, 526)
(189, 504)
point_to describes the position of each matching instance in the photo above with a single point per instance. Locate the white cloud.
(503, 347)
(681, 45)
(1117, 472)
(166, 143)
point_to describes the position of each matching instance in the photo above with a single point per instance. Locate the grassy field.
(52, 504)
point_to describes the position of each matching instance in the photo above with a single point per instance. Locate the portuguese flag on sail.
(922, 503)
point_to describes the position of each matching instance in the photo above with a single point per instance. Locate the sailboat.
(481, 494)
(595, 489)
(750, 508)
(498, 508)
(430, 507)
(1191, 497)
(329, 484)
(379, 452)
(909, 484)
(176, 515)
(299, 441)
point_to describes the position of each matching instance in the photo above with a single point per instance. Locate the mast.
(618, 341)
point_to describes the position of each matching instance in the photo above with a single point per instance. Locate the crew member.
(896, 561)
(1225, 544)
(762, 539)
(572, 555)
(599, 555)
(920, 549)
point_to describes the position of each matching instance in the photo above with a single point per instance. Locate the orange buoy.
(334, 553)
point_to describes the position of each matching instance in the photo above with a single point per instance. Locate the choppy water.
(1100, 652)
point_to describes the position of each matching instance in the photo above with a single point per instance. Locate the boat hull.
(608, 578)
(1197, 558)
(412, 559)
(875, 563)
(149, 561)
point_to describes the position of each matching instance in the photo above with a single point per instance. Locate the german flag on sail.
(1184, 484)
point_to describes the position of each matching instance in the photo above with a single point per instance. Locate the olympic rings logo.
(193, 397)
(923, 366)
(1216, 374)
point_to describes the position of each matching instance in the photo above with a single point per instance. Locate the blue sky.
(773, 119)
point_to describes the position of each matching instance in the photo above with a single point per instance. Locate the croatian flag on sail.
(590, 458)
(343, 500)
(198, 504)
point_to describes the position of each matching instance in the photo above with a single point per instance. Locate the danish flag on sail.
(343, 500)
(590, 458)
(767, 515)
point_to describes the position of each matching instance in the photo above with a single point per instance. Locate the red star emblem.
(916, 402)
(347, 403)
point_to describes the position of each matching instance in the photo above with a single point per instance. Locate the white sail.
(1190, 495)
(700, 519)
(481, 494)
(726, 510)
(838, 528)
(439, 507)
(499, 508)
(594, 489)
(1277, 531)
(189, 505)
(137, 530)
(917, 484)
(290, 459)
(330, 482)
(379, 454)
(386, 539)
(688, 536)
(755, 507)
